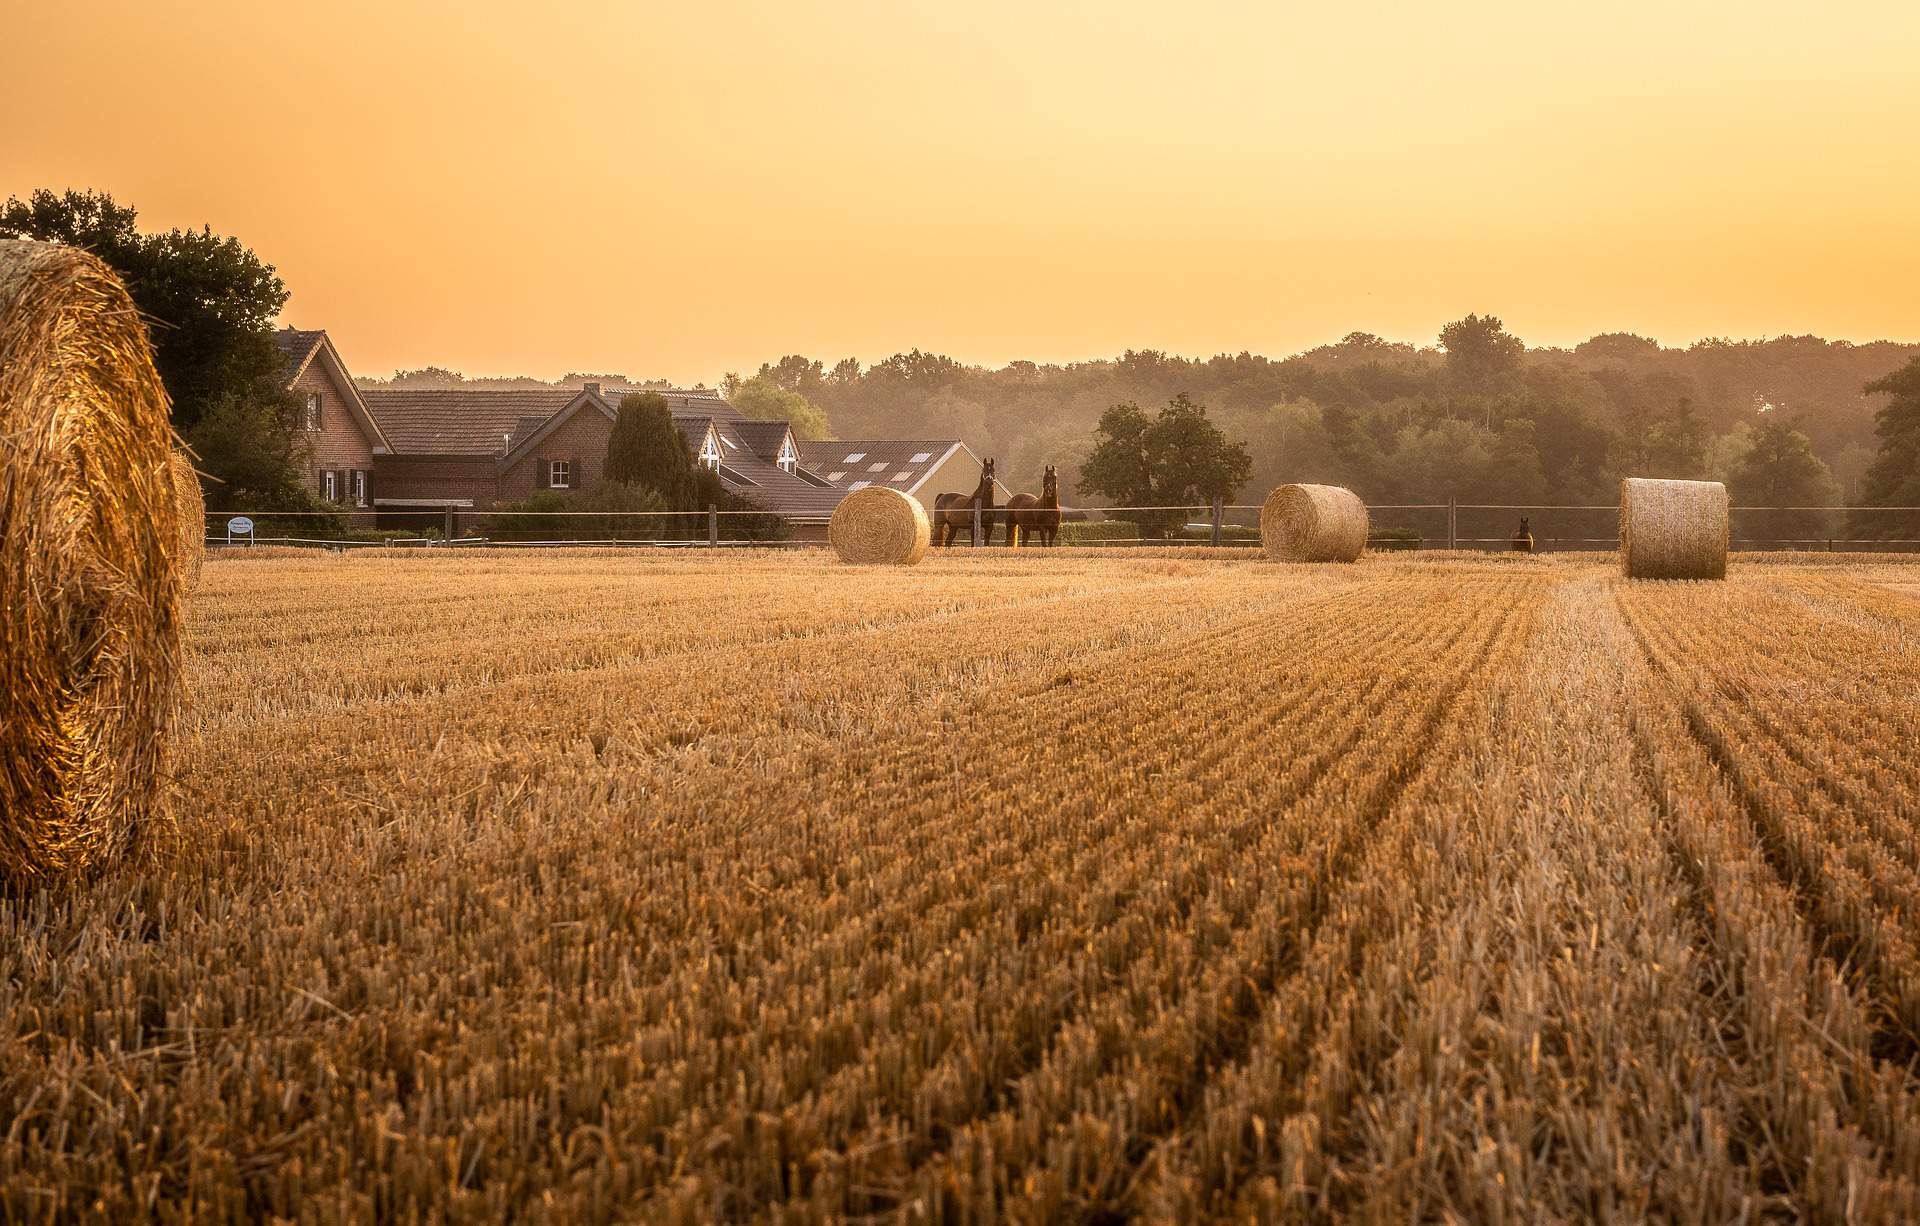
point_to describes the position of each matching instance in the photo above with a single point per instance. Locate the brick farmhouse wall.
(339, 444)
(581, 440)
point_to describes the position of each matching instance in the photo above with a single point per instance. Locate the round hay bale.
(1673, 529)
(191, 506)
(90, 571)
(878, 524)
(1313, 523)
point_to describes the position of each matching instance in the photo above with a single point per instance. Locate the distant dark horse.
(953, 513)
(1523, 537)
(1027, 515)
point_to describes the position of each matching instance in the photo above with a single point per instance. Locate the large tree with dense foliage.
(648, 450)
(1780, 470)
(762, 398)
(1175, 458)
(212, 304)
(1893, 479)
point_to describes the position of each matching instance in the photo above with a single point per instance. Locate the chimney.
(594, 388)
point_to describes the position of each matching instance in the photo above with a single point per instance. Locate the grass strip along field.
(1072, 888)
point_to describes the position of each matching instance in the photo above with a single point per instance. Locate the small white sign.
(239, 525)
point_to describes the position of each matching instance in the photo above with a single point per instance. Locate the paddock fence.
(1485, 527)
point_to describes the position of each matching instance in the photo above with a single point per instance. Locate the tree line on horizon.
(1794, 421)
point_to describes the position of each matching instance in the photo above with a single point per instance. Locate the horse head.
(1050, 483)
(985, 490)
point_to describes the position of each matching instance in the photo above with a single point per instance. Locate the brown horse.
(1523, 538)
(953, 513)
(1027, 515)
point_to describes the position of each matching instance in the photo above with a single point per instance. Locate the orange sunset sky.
(683, 189)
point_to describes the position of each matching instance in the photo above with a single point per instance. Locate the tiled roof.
(459, 421)
(764, 483)
(875, 461)
(297, 346)
(525, 427)
(764, 437)
(473, 421)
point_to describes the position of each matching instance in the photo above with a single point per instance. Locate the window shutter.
(542, 473)
(576, 475)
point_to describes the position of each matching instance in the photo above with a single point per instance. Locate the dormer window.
(710, 454)
(310, 413)
(788, 456)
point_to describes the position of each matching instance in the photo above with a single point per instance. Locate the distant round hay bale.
(1673, 529)
(878, 524)
(90, 571)
(1313, 523)
(191, 507)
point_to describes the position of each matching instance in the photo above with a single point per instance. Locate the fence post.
(447, 524)
(713, 526)
(1453, 524)
(976, 525)
(1218, 507)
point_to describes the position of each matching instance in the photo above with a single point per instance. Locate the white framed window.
(359, 487)
(330, 486)
(788, 457)
(855, 457)
(560, 474)
(921, 457)
(310, 413)
(710, 453)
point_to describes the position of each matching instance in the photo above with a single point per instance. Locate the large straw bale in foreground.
(877, 524)
(1673, 529)
(90, 570)
(191, 506)
(1313, 523)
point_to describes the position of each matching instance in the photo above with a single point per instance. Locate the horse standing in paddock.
(1523, 537)
(953, 513)
(1027, 515)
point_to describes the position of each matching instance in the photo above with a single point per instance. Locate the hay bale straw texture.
(1313, 523)
(1673, 529)
(90, 571)
(878, 524)
(191, 505)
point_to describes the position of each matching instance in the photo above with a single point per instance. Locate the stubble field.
(1034, 887)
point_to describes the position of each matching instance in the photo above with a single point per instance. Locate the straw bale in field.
(90, 570)
(877, 524)
(1313, 523)
(191, 506)
(1673, 529)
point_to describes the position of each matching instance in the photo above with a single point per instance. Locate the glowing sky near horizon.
(685, 189)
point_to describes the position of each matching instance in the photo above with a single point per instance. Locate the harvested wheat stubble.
(90, 570)
(878, 524)
(1673, 529)
(1313, 523)
(191, 507)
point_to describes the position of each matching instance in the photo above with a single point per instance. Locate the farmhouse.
(923, 469)
(344, 441)
(410, 458)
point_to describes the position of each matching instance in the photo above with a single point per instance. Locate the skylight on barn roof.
(836, 476)
(859, 485)
(905, 474)
(854, 457)
(921, 457)
(877, 468)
